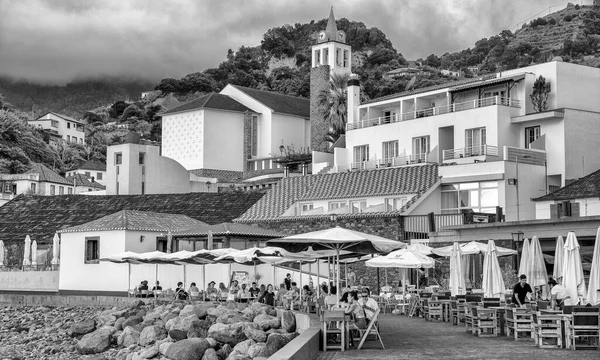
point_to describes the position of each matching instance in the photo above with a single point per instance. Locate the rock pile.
(174, 331)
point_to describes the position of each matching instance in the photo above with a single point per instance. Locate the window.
(68, 138)
(33, 188)
(99, 176)
(317, 57)
(161, 244)
(338, 58)
(334, 205)
(420, 147)
(306, 207)
(390, 150)
(88, 174)
(254, 136)
(141, 158)
(476, 196)
(475, 142)
(361, 153)
(394, 204)
(326, 56)
(68, 125)
(358, 206)
(54, 123)
(143, 188)
(531, 135)
(92, 250)
(52, 190)
(61, 190)
(118, 158)
(388, 116)
(70, 191)
(346, 58)
(75, 139)
(81, 140)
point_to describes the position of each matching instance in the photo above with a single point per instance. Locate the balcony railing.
(479, 150)
(445, 109)
(383, 163)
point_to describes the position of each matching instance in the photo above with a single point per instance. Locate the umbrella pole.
(300, 277)
(346, 273)
(318, 279)
(378, 285)
(274, 276)
(337, 284)
(156, 274)
(386, 278)
(184, 276)
(129, 277)
(329, 275)
(204, 281)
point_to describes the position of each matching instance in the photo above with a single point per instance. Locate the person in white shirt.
(369, 304)
(559, 295)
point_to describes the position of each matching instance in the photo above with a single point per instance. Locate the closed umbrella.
(457, 276)
(524, 264)
(558, 258)
(27, 251)
(593, 295)
(55, 250)
(34, 253)
(493, 284)
(572, 274)
(1, 253)
(537, 275)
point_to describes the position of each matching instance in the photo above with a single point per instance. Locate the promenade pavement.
(415, 338)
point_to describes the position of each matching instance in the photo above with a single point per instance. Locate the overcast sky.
(58, 40)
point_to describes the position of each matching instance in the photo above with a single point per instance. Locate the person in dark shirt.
(254, 291)
(288, 282)
(268, 297)
(520, 291)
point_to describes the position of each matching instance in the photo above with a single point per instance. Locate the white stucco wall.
(582, 141)
(289, 131)
(223, 140)
(587, 207)
(63, 129)
(183, 138)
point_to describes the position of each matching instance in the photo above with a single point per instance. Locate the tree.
(539, 95)
(333, 103)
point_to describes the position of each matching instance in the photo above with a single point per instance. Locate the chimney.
(353, 98)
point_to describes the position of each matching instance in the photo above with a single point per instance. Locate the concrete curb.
(304, 346)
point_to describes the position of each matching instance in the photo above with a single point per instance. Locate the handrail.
(383, 163)
(477, 150)
(440, 110)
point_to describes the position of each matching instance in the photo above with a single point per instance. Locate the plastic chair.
(144, 293)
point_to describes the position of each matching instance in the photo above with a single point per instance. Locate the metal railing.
(479, 150)
(439, 110)
(383, 163)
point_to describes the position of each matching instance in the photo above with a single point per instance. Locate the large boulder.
(95, 342)
(288, 321)
(149, 353)
(129, 336)
(199, 329)
(119, 323)
(188, 349)
(152, 334)
(232, 317)
(277, 341)
(164, 347)
(258, 349)
(182, 323)
(267, 322)
(217, 311)
(132, 321)
(231, 334)
(255, 332)
(200, 310)
(177, 335)
(224, 351)
(106, 318)
(242, 348)
(81, 328)
(210, 354)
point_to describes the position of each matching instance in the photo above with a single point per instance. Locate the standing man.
(351, 277)
(559, 294)
(368, 304)
(520, 291)
(288, 281)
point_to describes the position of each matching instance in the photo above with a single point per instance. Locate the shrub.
(568, 18)
(538, 22)
(552, 22)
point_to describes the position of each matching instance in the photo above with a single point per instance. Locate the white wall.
(587, 207)
(63, 130)
(577, 86)
(289, 131)
(183, 138)
(223, 140)
(582, 141)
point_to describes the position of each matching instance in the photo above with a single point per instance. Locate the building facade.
(61, 126)
(92, 169)
(39, 180)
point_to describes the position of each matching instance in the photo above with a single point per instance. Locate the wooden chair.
(402, 303)
(333, 323)
(487, 325)
(474, 323)
(131, 292)
(491, 302)
(520, 323)
(584, 329)
(547, 330)
(434, 311)
(469, 317)
(371, 329)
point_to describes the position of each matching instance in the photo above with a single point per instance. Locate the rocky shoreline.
(158, 330)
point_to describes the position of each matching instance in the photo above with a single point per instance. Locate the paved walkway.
(415, 338)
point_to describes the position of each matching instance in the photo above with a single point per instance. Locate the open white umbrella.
(457, 276)
(472, 248)
(27, 251)
(55, 250)
(492, 284)
(121, 258)
(1, 253)
(558, 258)
(593, 295)
(572, 275)
(34, 253)
(421, 249)
(537, 275)
(402, 258)
(524, 263)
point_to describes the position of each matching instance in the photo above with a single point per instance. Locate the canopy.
(593, 295)
(337, 238)
(558, 258)
(55, 250)
(472, 248)
(421, 249)
(403, 258)
(493, 284)
(27, 251)
(537, 275)
(457, 276)
(253, 256)
(572, 276)
(524, 263)
(120, 258)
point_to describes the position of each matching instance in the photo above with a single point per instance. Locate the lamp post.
(208, 184)
(517, 237)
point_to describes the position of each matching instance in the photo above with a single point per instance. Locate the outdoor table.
(337, 313)
(500, 310)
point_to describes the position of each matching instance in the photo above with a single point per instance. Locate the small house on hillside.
(39, 180)
(60, 127)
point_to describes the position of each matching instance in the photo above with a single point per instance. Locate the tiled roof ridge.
(269, 92)
(324, 216)
(204, 102)
(46, 174)
(589, 184)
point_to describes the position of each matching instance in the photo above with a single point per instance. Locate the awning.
(488, 82)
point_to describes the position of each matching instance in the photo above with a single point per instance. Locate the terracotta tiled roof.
(221, 175)
(139, 221)
(279, 103)
(47, 175)
(586, 187)
(232, 229)
(209, 101)
(41, 216)
(415, 180)
(92, 165)
(84, 181)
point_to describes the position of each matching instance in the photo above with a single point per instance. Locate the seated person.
(243, 294)
(281, 294)
(143, 287)
(254, 291)
(157, 286)
(331, 299)
(293, 296)
(369, 304)
(194, 290)
(356, 310)
(211, 291)
(559, 294)
(268, 297)
(520, 291)
(233, 290)
(223, 290)
(180, 293)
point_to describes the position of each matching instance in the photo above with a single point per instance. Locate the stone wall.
(247, 140)
(319, 81)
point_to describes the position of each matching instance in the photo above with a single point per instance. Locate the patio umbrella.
(55, 250)
(1, 253)
(593, 295)
(120, 259)
(34, 253)
(337, 239)
(558, 258)
(493, 284)
(537, 275)
(27, 251)
(421, 249)
(524, 263)
(572, 273)
(457, 276)
(472, 248)
(403, 258)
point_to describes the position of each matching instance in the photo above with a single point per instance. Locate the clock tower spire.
(331, 48)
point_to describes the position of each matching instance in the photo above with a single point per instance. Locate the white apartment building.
(65, 127)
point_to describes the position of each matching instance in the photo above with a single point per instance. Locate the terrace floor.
(415, 338)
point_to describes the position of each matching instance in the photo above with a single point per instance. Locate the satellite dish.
(411, 83)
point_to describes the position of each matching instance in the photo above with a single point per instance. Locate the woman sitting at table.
(331, 299)
(268, 297)
(180, 293)
(211, 291)
(358, 313)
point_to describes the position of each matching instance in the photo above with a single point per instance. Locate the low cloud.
(57, 41)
